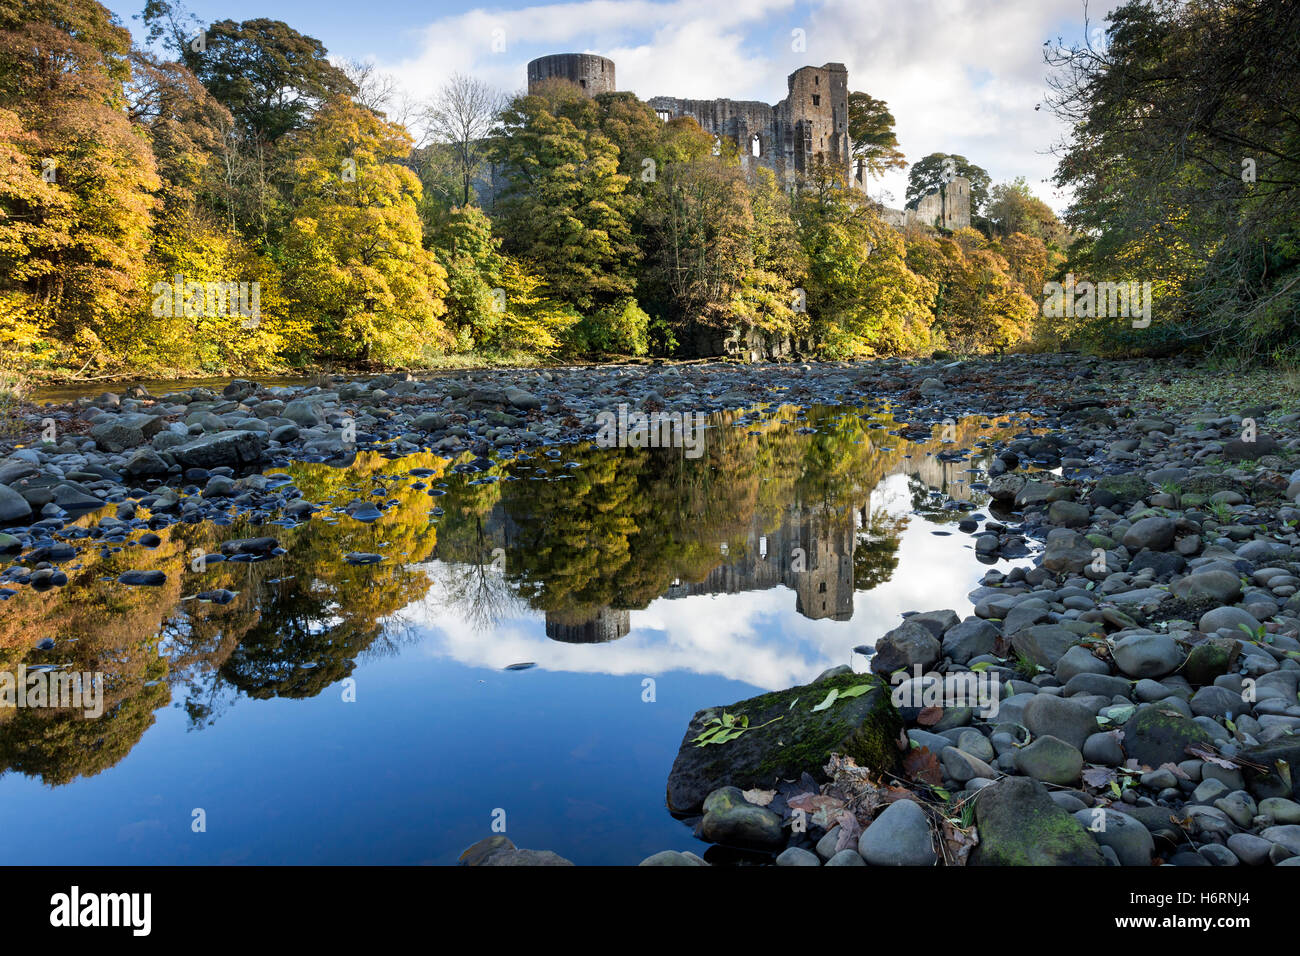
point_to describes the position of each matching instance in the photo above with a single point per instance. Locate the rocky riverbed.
(1146, 659)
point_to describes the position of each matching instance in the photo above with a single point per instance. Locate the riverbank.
(1129, 700)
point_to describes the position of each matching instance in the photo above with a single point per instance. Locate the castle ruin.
(810, 124)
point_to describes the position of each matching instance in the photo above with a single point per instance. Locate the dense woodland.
(242, 153)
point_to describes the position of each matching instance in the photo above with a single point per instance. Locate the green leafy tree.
(565, 209)
(271, 77)
(862, 298)
(1182, 159)
(932, 171)
(1014, 208)
(871, 128)
(493, 301)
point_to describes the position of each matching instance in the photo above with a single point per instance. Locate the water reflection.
(536, 558)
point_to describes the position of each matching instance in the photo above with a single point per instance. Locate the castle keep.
(590, 73)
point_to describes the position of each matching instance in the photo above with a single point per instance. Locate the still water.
(333, 713)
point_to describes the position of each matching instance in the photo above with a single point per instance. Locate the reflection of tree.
(476, 590)
(876, 556)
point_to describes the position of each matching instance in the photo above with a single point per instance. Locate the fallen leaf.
(759, 798)
(1210, 757)
(850, 830)
(830, 699)
(957, 843)
(922, 766)
(1099, 777)
(929, 716)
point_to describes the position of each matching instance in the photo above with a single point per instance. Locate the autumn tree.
(77, 198)
(565, 209)
(355, 260)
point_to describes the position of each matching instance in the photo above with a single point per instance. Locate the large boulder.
(1156, 735)
(1126, 835)
(1044, 644)
(500, 851)
(303, 412)
(732, 821)
(13, 506)
(1155, 533)
(1067, 551)
(120, 432)
(1147, 655)
(786, 738)
(900, 836)
(1064, 719)
(1020, 825)
(233, 448)
(971, 638)
(1223, 587)
(904, 646)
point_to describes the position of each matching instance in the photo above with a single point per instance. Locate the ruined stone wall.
(811, 121)
(592, 74)
(947, 207)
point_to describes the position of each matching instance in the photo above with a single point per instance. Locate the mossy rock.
(1020, 825)
(1210, 659)
(1125, 488)
(865, 728)
(1154, 737)
(1208, 485)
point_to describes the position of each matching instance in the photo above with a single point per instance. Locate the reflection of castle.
(810, 552)
(606, 624)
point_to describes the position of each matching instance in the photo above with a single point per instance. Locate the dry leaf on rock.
(1099, 777)
(922, 766)
(929, 716)
(957, 843)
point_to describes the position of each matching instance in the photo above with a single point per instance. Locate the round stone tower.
(593, 74)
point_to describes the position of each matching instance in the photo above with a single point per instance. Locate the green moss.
(1208, 485)
(1127, 488)
(1043, 837)
(864, 728)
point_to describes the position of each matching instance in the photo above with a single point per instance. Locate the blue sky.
(961, 76)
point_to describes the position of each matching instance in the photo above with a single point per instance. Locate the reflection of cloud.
(754, 636)
(141, 831)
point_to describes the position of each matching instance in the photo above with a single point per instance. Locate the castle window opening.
(817, 100)
(755, 145)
